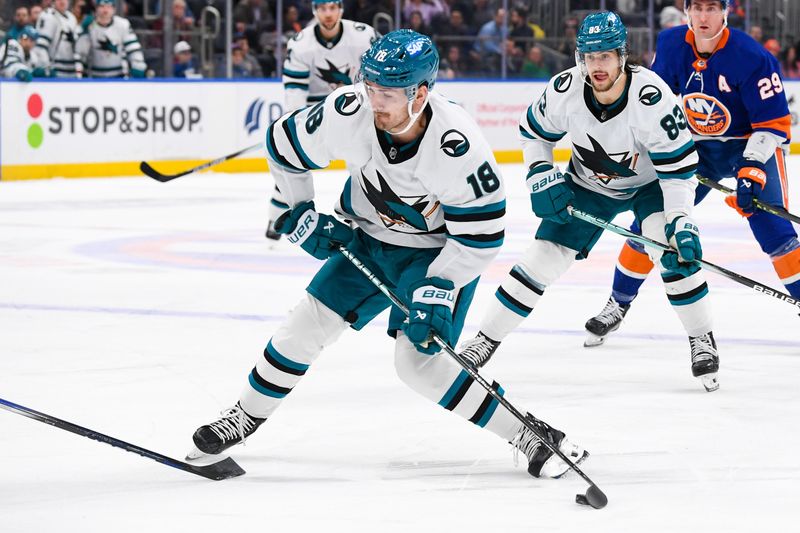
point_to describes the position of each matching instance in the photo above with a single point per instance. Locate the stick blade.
(593, 497)
(225, 469)
(150, 172)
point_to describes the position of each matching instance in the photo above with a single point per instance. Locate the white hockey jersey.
(55, 47)
(12, 59)
(314, 67)
(616, 149)
(111, 51)
(442, 190)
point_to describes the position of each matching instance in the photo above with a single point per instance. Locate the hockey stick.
(148, 170)
(594, 496)
(777, 211)
(224, 469)
(641, 239)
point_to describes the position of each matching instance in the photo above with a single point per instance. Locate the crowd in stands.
(469, 34)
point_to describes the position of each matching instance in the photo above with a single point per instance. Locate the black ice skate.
(542, 462)
(705, 360)
(233, 427)
(477, 351)
(607, 321)
(271, 233)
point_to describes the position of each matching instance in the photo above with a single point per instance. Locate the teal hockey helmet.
(601, 32)
(402, 59)
(315, 3)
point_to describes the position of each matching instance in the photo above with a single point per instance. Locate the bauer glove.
(317, 234)
(684, 237)
(751, 180)
(431, 311)
(550, 194)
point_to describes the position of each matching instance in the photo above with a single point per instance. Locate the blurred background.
(485, 39)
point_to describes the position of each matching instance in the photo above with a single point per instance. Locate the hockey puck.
(581, 499)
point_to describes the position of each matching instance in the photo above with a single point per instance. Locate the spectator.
(427, 8)
(248, 58)
(567, 46)
(241, 68)
(456, 27)
(520, 33)
(253, 17)
(773, 47)
(791, 65)
(534, 66)
(514, 56)
(757, 33)
(672, 16)
(490, 37)
(453, 64)
(21, 19)
(481, 13)
(291, 22)
(83, 12)
(182, 24)
(184, 65)
(365, 10)
(418, 25)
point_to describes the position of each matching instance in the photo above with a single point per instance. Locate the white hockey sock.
(442, 380)
(299, 340)
(689, 299)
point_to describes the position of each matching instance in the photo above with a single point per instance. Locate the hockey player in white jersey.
(426, 203)
(321, 58)
(15, 55)
(631, 151)
(55, 53)
(108, 46)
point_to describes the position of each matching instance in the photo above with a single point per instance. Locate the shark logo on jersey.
(333, 75)
(344, 104)
(392, 209)
(604, 166)
(706, 115)
(108, 46)
(454, 143)
(563, 82)
(650, 95)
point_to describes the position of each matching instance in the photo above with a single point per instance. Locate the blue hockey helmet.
(600, 32)
(403, 59)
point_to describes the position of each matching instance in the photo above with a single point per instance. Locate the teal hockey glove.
(684, 236)
(317, 234)
(136, 73)
(23, 75)
(550, 194)
(431, 311)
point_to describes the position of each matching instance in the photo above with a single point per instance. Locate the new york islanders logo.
(706, 115)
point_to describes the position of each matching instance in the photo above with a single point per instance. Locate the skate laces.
(524, 441)
(703, 348)
(233, 422)
(479, 349)
(611, 313)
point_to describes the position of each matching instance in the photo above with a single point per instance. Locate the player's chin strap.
(412, 117)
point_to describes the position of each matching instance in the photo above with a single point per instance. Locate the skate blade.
(710, 382)
(593, 340)
(198, 456)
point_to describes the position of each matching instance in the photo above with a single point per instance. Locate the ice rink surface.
(137, 309)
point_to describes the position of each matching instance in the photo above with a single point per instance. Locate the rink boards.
(59, 128)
